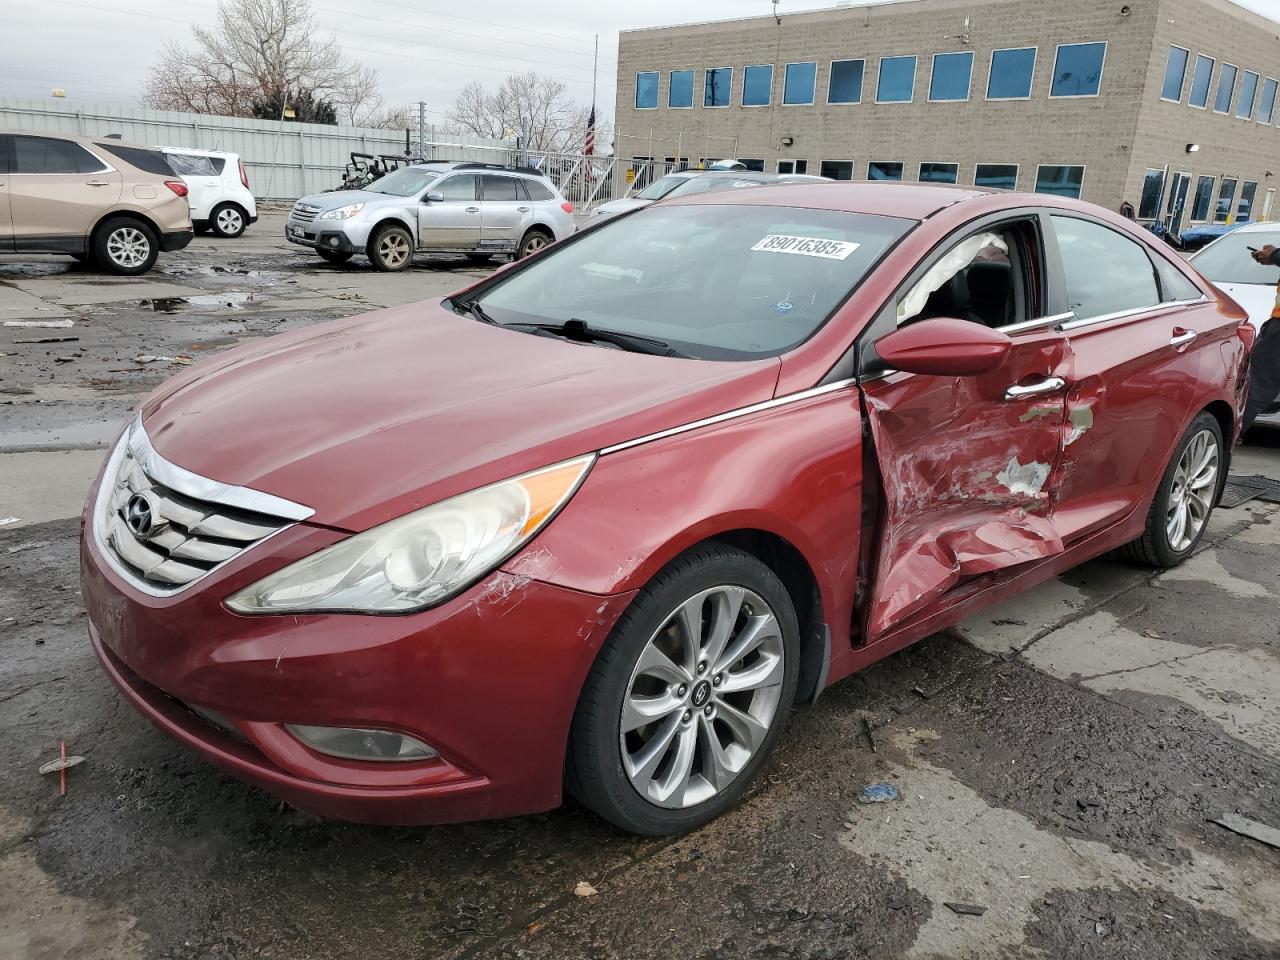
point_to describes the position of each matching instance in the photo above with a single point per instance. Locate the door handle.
(522, 209)
(1047, 385)
(1182, 336)
(473, 209)
(97, 183)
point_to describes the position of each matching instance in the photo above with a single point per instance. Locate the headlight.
(422, 558)
(342, 213)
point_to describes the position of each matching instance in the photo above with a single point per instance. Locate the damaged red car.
(598, 522)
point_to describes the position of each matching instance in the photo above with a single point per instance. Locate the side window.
(460, 187)
(4, 153)
(1106, 272)
(49, 155)
(190, 165)
(522, 191)
(1173, 282)
(148, 161)
(498, 189)
(538, 190)
(979, 279)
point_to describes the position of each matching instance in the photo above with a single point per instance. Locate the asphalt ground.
(1059, 761)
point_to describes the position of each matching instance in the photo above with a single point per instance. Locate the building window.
(1152, 191)
(999, 176)
(1011, 73)
(1061, 181)
(793, 166)
(1267, 109)
(756, 165)
(797, 84)
(1201, 80)
(845, 83)
(1077, 72)
(939, 172)
(680, 90)
(1204, 197)
(717, 86)
(1245, 210)
(1248, 94)
(837, 169)
(897, 82)
(757, 85)
(951, 75)
(1175, 74)
(647, 90)
(884, 170)
(1226, 89)
(1226, 194)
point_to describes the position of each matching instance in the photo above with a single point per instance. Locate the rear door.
(57, 191)
(451, 223)
(203, 180)
(6, 221)
(1136, 333)
(967, 462)
(504, 208)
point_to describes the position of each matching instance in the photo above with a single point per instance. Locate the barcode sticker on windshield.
(806, 246)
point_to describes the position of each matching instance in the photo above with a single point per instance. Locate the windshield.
(712, 185)
(660, 188)
(1229, 260)
(405, 182)
(716, 282)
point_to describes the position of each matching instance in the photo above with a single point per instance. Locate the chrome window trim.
(732, 415)
(1036, 324)
(1135, 312)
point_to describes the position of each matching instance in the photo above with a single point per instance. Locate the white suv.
(218, 186)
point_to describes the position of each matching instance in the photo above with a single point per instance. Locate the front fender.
(793, 471)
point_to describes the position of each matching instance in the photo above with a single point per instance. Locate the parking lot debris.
(5, 521)
(153, 358)
(61, 765)
(52, 324)
(1009, 622)
(965, 909)
(866, 729)
(47, 340)
(878, 793)
(584, 889)
(1250, 828)
(920, 693)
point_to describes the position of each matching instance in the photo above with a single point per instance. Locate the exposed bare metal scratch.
(1024, 478)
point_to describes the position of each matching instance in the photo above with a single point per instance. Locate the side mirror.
(944, 347)
(435, 196)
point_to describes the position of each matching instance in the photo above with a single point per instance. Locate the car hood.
(615, 207)
(342, 198)
(1257, 299)
(368, 418)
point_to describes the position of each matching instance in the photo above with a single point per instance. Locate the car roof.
(912, 201)
(77, 137)
(1263, 226)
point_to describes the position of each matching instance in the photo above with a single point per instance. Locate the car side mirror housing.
(435, 196)
(944, 347)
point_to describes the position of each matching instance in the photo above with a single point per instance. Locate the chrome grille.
(304, 212)
(192, 524)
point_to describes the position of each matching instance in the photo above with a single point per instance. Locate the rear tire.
(125, 247)
(647, 748)
(333, 256)
(228, 220)
(1185, 499)
(390, 248)
(533, 242)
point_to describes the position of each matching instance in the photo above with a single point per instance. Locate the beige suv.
(96, 199)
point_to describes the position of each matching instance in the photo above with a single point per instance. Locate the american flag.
(589, 145)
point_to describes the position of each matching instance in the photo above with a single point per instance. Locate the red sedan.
(600, 520)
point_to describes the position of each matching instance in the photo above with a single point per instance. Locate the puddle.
(232, 300)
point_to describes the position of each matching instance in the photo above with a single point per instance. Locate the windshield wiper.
(578, 331)
(473, 307)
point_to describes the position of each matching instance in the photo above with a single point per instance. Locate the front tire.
(688, 696)
(125, 247)
(228, 220)
(1188, 491)
(390, 248)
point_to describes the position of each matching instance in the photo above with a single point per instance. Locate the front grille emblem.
(141, 518)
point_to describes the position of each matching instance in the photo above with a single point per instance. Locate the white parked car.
(218, 189)
(1228, 264)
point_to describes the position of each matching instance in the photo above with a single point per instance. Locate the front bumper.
(175, 239)
(490, 680)
(327, 235)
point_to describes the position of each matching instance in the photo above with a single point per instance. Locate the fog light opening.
(333, 241)
(359, 743)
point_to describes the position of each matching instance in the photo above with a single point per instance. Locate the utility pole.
(422, 130)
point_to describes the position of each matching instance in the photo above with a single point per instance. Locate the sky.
(422, 49)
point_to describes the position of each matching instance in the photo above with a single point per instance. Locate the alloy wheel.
(229, 221)
(534, 244)
(1192, 491)
(128, 247)
(393, 249)
(702, 697)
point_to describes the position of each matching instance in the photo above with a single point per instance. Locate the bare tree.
(260, 52)
(524, 103)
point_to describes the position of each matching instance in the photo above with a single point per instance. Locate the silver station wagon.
(478, 209)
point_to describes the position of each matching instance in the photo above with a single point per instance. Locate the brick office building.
(1170, 104)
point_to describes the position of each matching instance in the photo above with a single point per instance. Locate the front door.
(1177, 202)
(451, 223)
(967, 462)
(57, 191)
(503, 211)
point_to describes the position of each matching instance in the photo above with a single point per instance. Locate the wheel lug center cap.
(701, 693)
